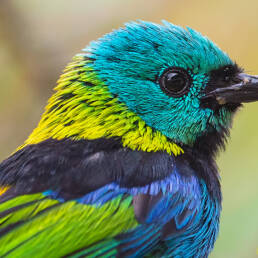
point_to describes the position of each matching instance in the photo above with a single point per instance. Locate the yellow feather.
(92, 112)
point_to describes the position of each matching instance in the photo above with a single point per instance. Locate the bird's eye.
(175, 81)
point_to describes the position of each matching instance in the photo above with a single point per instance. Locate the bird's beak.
(246, 90)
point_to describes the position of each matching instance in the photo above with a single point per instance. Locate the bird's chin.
(217, 107)
(232, 107)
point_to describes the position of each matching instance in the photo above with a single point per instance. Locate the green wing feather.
(30, 223)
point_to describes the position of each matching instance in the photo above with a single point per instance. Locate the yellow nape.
(83, 108)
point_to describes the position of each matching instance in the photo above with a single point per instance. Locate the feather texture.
(116, 167)
(123, 217)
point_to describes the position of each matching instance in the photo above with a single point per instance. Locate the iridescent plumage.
(115, 166)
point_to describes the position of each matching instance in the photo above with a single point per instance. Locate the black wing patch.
(75, 168)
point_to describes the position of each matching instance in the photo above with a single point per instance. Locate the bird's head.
(178, 83)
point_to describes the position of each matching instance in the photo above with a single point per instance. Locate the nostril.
(246, 80)
(242, 78)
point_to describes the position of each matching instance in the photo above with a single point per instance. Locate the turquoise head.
(161, 72)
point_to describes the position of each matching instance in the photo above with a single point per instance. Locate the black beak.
(244, 91)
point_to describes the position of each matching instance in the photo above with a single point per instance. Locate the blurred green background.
(38, 38)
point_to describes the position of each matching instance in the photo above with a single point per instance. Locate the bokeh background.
(37, 39)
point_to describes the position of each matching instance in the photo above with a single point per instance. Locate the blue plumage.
(122, 163)
(185, 200)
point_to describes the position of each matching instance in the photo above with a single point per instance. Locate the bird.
(122, 161)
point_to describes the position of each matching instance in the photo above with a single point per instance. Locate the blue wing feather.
(177, 198)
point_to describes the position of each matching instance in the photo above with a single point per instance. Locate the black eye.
(175, 81)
